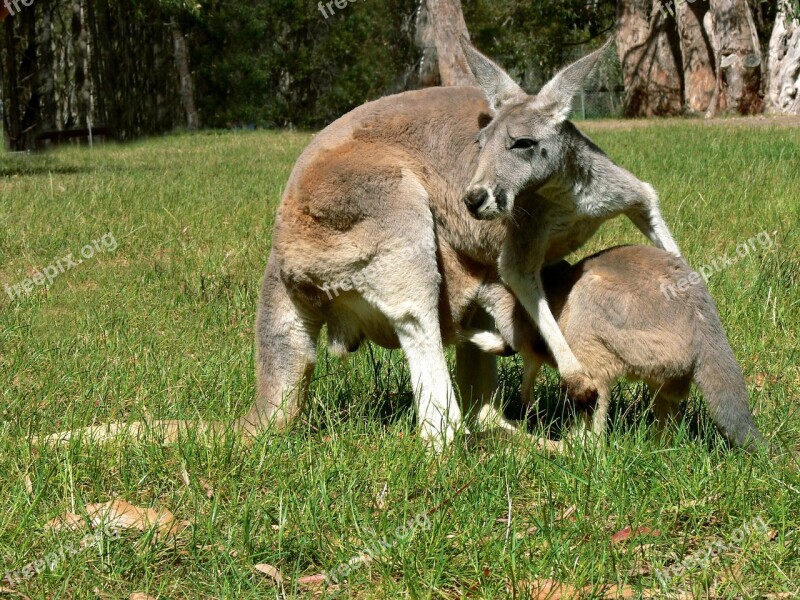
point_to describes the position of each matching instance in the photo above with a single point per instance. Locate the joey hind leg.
(667, 411)
(476, 376)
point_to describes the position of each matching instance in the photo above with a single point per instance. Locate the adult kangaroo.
(371, 206)
(554, 187)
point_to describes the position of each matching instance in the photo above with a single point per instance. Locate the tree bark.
(81, 84)
(648, 48)
(11, 108)
(185, 76)
(738, 58)
(783, 92)
(47, 84)
(440, 24)
(697, 54)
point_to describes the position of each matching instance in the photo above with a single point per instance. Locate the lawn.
(156, 321)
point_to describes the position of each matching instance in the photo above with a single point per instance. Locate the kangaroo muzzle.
(483, 203)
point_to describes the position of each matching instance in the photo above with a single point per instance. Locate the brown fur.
(615, 316)
(377, 196)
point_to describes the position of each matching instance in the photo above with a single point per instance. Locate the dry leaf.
(311, 582)
(28, 485)
(380, 500)
(760, 379)
(65, 521)
(207, 487)
(140, 596)
(627, 533)
(567, 513)
(13, 592)
(118, 514)
(548, 589)
(185, 476)
(271, 572)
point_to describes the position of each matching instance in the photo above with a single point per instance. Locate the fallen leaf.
(760, 379)
(311, 582)
(627, 533)
(65, 521)
(28, 485)
(118, 514)
(567, 513)
(271, 572)
(140, 596)
(207, 487)
(380, 500)
(13, 592)
(185, 476)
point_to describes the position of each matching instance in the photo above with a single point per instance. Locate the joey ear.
(494, 81)
(556, 96)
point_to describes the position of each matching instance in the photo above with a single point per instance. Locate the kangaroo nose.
(475, 197)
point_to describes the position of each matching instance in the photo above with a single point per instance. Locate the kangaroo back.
(625, 303)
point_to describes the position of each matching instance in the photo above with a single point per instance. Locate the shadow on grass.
(21, 170)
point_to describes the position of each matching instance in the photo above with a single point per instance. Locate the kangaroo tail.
(286, 341)
(720, 379)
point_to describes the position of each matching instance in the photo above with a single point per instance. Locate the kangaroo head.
(523, 146)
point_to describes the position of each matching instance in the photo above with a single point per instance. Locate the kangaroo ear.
(495, 83)
(556, 96)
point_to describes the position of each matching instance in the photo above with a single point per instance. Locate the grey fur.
(613, 313)
(376, 198)
(554, 187)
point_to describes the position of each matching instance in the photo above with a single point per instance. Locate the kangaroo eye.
(524, 144)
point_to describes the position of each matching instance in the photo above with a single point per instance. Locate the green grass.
(162, 327)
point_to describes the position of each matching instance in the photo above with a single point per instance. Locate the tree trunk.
(440, 24)
(783, 92)
(185, 75)
(47, 84)
(81, 84)
(11, 108)
(738, 58)
(648, 48)
(697, 54)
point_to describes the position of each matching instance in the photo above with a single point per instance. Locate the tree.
(440, 24)
(697, 56)
(184, 75)
(783, 63)
(689, 55)
(738, 58)
(648, 51)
